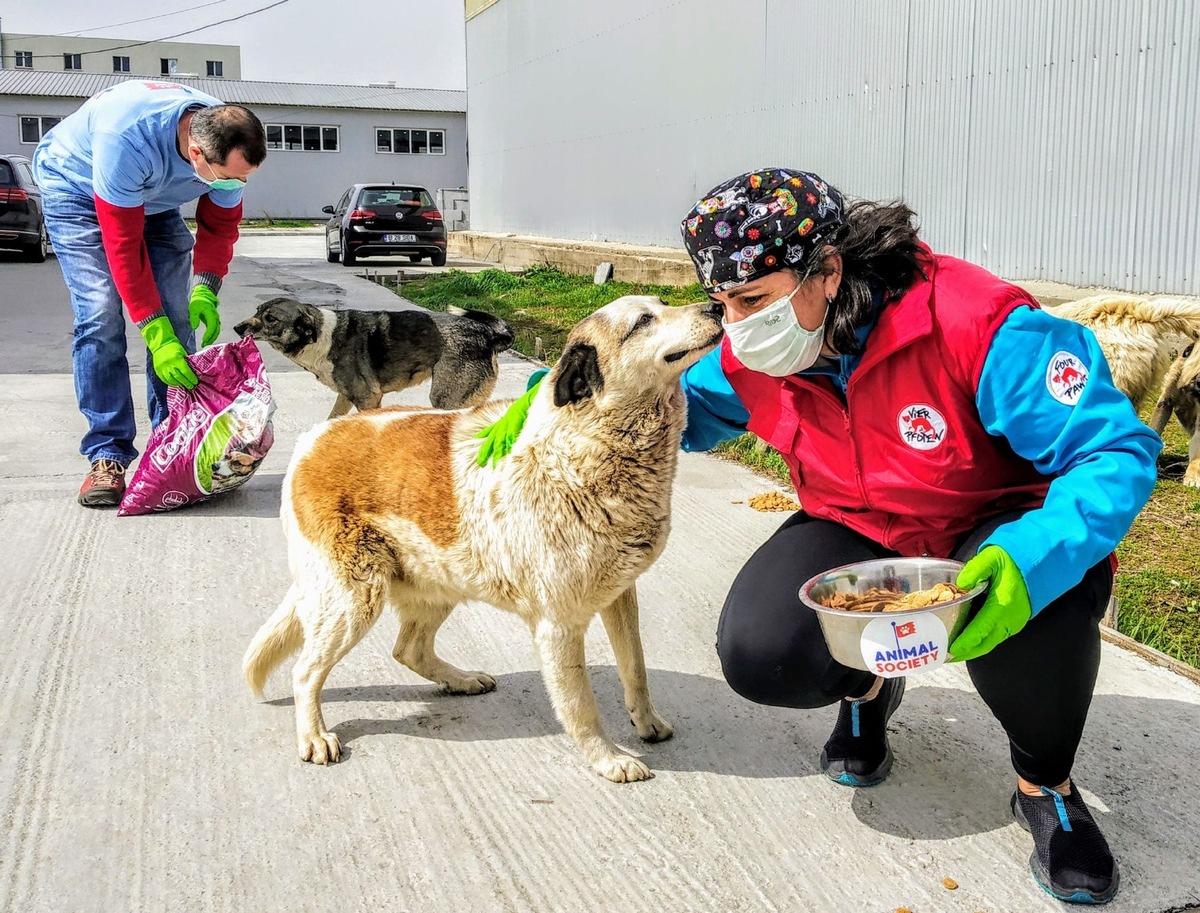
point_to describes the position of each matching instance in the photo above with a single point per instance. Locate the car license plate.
(399, 239)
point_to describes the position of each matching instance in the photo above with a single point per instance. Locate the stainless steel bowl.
(890, 644)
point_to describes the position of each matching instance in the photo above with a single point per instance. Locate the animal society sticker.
(894, 647)
(1066, 376)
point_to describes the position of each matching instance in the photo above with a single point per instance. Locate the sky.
(417, 43)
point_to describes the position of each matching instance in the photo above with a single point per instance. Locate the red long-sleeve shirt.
(122, 231)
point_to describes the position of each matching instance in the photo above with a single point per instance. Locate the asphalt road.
(138, 774)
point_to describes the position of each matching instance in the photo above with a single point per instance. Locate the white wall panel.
(1044, 139)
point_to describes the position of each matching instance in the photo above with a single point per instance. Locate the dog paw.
(320, 748)
(469, 683)
(651, 727)
(1191, 478)
(622, 768)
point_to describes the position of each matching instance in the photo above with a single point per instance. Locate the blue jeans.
(98, 351)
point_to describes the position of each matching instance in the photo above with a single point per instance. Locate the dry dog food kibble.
(772, 500)
(877, 599)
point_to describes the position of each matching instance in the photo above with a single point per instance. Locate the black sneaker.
(857, 753)
(1071, 860)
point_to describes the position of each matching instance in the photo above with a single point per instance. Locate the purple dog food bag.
(214, 437)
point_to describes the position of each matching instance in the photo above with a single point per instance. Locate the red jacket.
(905, 459)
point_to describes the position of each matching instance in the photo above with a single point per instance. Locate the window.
(395, 196)
(215, 67)
(168, 66)
(33, 127)
(24, 59)
(406, 141)
(120, 64)
(302, 137)
(72, 61)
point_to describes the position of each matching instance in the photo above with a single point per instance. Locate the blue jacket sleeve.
(715, 413)
(1046, 388)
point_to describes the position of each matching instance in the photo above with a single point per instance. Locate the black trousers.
(1037, 683)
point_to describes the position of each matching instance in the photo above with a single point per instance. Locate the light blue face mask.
(217, 183)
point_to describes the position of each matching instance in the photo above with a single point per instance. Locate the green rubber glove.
(169, 356)
(1006, 609)
(202, 308)
(500, 435)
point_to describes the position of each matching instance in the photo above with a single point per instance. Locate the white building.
(1042, 139)
(62, 53)
(321, 138)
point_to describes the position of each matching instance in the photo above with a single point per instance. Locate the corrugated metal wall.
(1044, 139)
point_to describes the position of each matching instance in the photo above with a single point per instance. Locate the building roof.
(53, 84)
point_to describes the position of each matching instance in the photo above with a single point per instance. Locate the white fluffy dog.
(1148, 342)
(556, 532)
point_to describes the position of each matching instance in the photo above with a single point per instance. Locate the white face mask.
(772, 340)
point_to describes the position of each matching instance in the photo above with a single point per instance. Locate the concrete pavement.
(138, 774)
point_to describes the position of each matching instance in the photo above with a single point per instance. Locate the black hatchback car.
(385, 220)
(21, 222)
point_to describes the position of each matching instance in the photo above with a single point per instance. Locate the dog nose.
(242, 328)
(713, 309)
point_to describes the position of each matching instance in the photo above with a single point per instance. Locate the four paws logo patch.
(1066, 376)
(921, 426)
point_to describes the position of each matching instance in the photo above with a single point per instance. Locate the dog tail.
(501, 332)
(275, 641)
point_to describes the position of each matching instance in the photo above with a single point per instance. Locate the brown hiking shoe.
(104, 485)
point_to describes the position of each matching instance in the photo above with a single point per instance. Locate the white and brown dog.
(1149, 345)
(556, 532)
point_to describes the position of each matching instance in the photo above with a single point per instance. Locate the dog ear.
(305, 328)
(577, 375)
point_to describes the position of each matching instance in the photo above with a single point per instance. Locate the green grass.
(280, 223)
(543, 302)
(1158, 583)
(268, 223)
(1157, 586)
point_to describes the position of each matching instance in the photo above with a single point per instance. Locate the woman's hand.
(499, 437)
(1006, 610)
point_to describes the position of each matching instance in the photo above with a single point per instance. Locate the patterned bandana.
(757, 223)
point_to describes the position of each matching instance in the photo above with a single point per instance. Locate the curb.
(281, 231)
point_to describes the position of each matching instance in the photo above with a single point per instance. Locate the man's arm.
(122, 231)
(119, 173)
(216, 233)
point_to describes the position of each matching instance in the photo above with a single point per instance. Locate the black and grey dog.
(361, 355)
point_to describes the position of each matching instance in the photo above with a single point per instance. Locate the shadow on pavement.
(259, 497)
(951, 778)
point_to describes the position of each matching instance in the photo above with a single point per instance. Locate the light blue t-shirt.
(121, 147)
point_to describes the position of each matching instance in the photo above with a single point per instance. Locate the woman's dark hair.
(220, 129)
(880, 250)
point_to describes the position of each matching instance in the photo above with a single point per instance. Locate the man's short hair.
(220, 129)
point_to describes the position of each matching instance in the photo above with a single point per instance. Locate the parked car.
(378, 220)
(21, 222)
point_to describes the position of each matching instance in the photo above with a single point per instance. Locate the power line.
(102, 28)
(138, 44)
